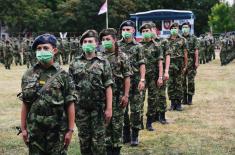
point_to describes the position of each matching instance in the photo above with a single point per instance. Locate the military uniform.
(161, 91)
(121, 69)
(135, 53)
(202, 51)
(91, 78)
(189, 76)
(153, 53)
(8, 55)
(65, 52)
(17, 55)
(47, 120)
(175, 89)
(1, 52)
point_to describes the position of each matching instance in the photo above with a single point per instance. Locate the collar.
(55, 66)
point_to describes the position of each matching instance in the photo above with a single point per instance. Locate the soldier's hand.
(196, 65)
(108, 116)
(25, 136)
(159, 82)
(141, 86)
(67, 139)
(184, 70)
(124, 101)
(166, 76)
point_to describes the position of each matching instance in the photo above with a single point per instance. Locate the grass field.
(205, 128)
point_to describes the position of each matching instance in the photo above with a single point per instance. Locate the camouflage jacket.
(47, 109)
(178, 46)
(135, 53)
(193, 44)
(120, 66)
(8, 51)
(91, 78)
(153, 53)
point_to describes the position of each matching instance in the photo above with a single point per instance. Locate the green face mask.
(185, 30)
(126, 35)
(174, 32)
(107, 44)
(44, 56)
(147, 35)
(88, 48)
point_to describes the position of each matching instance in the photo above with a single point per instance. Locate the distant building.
(3, 30)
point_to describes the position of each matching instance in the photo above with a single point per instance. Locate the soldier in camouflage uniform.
(202, 49)
(65, 52)
(1, 52)
(135, 53)
(8, 54)
(74, 47)
(193, 62)
(92, 75)
(47, 118)
(16, 50)
(178, 66)
(161, 91)
(121, 76)
(154, 71)
(27, 53)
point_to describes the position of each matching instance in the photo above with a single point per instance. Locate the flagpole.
(107, 17)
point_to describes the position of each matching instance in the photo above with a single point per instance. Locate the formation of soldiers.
(227, 45)
(105, 87)
(19, 51)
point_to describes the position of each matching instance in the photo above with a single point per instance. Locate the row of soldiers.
(207, 46)
(227, 44)
(108, 84)
(20, 51)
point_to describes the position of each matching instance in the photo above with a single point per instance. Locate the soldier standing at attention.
(121, 76)
(161, 104)
(154, 71)
(8, 54)
(92, 75)
(48, 95)
(135, 53)
(178, 66)
(193, 63)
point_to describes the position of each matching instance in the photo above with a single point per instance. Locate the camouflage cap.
(89, 33)
(127, 23)
(174, 25)
(145, 26)
(44, 39)
(109, 31)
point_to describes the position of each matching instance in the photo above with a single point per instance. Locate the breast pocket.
(29, 91)
(55, 93)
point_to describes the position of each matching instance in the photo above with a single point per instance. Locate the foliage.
(79, 15)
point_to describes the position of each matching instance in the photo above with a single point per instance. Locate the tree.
(220, 18)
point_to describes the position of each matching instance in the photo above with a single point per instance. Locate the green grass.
(205, 128)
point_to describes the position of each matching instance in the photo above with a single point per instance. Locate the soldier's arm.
(185, 58)
(196, 58)
(108, 110)
(24, 112)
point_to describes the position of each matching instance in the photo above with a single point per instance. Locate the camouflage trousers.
(46, 135)
(136, 102)
(114, 129)
(8, 61)
(156, 97)
(91, 131)
(17, 58)
(189, 81)
(175, 89)
(47, 143)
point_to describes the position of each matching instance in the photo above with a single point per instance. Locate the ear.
(133, 30)
(55, 50)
